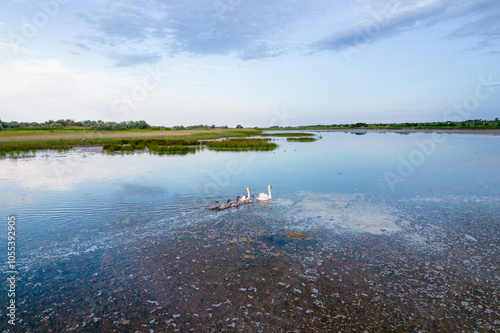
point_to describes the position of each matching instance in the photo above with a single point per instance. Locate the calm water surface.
(366, 231)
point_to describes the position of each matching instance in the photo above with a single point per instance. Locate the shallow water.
(375, 232)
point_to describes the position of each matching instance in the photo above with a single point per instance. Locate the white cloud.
(396, 18)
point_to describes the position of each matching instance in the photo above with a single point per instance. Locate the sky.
(250, 62)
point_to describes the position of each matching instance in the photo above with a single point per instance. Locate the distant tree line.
(198, 127)
(100, 125)
(95, 125)
(466, 124)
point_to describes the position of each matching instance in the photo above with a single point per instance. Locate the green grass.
(15, 148)
(44, 131)
(29, 131)
(301, 139)
(288, 134)
(157, 146)
(174, 150)
(241, 144)
(176, 146)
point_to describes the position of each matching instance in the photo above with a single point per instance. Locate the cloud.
(396, 18)
(204, 27)
(79, 45)
(123, 60)
(486, 30)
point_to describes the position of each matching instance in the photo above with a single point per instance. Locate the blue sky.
(249, 62)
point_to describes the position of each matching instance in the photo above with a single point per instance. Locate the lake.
(368, 231)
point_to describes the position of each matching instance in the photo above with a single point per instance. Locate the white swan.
(246, 198)
(263, 196)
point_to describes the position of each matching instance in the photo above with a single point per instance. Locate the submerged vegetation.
(241, 144)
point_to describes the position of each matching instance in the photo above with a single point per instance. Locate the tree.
(141, 124)
(239, 126)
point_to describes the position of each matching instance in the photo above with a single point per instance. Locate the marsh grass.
(241, 144)
(14, 148)
(156, 146)
(301, 139)
(185, 143)
(127, 144)
(174, 150)
(288, 134)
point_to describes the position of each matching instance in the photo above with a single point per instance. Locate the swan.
(235, 203)
(263, 196)
(214, 207)
(245, 198)
(224, 206)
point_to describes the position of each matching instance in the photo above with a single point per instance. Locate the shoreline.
(442, 131)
